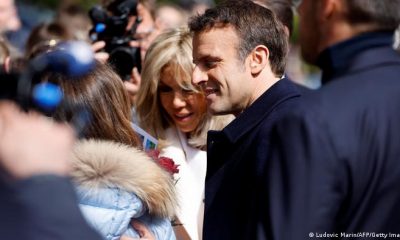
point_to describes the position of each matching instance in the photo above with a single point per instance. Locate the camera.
(111, 25)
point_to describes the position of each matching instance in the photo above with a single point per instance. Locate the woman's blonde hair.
(171, 49)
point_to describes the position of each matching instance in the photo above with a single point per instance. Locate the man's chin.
(215, 110)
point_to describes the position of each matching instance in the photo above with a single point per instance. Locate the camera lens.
(124, 59)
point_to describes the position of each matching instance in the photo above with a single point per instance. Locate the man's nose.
(199, 76)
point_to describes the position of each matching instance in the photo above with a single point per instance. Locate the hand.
(143, 231)
(133, 84)
(100, 56)
(31, 144)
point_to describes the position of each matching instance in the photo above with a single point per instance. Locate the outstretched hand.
(133, 84)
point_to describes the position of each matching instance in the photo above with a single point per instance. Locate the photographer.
(144, 32)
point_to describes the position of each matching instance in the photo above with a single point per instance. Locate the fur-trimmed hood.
(102, 164)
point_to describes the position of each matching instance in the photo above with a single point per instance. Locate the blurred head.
(9, 20)
(235, 45)
(44, 37)
(102, 93)
(283, 10)
(324, 23)
(167, 97)
(76, 19)
(168, 16)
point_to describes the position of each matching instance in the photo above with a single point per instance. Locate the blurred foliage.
(53, 4)
(294, 38)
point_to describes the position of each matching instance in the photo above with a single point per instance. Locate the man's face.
(308, 30)
(222, 76)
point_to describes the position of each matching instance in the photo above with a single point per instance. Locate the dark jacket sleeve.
(304, 181)
(51, 210)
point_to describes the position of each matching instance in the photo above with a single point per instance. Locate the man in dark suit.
(335, 169)
(239, 51)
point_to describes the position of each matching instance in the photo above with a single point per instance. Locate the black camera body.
(110, 25)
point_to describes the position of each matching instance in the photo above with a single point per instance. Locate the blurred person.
(170, 108)
(115, 180)
(239, 52)
(145, 33)
(335, 168)
(34, 163)
(46, 36)
(197, 7)
(168, 16)
(11, 25)
(283, 10)
(76, 19)
(9, 20)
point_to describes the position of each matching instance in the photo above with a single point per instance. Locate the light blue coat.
(117, 183)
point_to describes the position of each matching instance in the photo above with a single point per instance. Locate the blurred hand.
(143, 231)
(100, 56)
(133, 84)
(31, 144)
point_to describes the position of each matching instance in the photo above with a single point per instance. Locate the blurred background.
(21, 16)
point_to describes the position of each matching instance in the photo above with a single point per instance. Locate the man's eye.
(210, 64)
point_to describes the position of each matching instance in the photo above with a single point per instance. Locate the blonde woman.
(173, 110)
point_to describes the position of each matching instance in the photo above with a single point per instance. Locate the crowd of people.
(241, 150)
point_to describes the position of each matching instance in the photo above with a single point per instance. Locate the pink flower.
(166, 163)
(169, 165)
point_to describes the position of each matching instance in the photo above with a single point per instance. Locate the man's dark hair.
(254, 25)
(283, 10)
(385, 14)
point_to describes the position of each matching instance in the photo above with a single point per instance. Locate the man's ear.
(329, 8)
(259, 58)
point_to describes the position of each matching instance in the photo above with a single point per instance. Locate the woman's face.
(185, 107)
